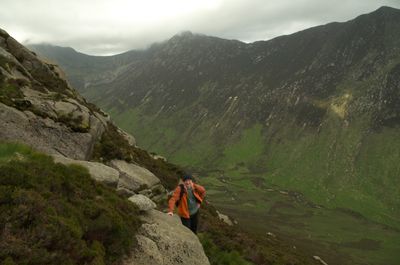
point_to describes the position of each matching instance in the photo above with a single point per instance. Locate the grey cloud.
(83, 27)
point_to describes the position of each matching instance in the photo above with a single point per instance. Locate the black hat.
(186, 177)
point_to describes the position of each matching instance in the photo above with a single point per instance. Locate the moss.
(56, 214)
(10, 89)
(10, 93)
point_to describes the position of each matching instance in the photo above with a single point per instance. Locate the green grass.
(10, 94)
(218, 256)
(247, 150)
(193, 154)
(332, 233)
(10, 150)
(163, 137)
(56, 214)
(346, 164)
(10, 90)
(126, 120)
(342, 167)
(329, 168)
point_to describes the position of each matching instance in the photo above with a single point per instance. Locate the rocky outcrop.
(128, 137)
(142, 202)
(136, 176)
(128, 179)
(40, 109)
(163, 240)
(97, 171)
(134, 179)
(43, 110)
(44, 134)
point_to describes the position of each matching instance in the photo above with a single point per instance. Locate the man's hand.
(170, 213)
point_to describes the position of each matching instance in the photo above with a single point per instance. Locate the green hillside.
(315, 114)
(56, 214)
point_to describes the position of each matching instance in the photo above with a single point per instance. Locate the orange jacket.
(183, 210)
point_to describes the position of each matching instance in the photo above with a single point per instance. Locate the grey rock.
(124, 192)
(43, 134)
(159, 198)
(320, 260)
(224, 218)
(158, 193)
(146, 192)
(128, 137)
(98, 171)
(67, 109)
(163, 240)
(74, 110)
(97, 128)
(146, 253)
(159, 157)
(62, 124)
(158, 189)
(134, 177)
(142, 202)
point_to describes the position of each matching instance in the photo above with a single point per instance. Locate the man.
(188, 198)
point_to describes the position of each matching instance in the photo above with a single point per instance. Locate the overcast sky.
(103, 27)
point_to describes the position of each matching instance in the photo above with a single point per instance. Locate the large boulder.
(43, 134)
(98, 171)
(142, 202)
(163, 240)
(133, 177)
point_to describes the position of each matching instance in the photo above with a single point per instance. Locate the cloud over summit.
(108, 27)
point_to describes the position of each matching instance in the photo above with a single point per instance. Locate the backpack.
(180, 195)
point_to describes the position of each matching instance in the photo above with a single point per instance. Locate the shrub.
(217, 256)
(56, 214)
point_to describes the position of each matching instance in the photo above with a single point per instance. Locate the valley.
(338, 235)
(295, 137)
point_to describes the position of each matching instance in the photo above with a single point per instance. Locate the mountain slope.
(79, 66)
(52, 213)
(316, 112)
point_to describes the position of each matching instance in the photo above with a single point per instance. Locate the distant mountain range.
(317, 111)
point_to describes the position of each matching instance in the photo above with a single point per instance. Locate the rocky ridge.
(39, 108)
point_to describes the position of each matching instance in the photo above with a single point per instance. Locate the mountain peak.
(387, 9)
(385, 12)
(185, 36)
